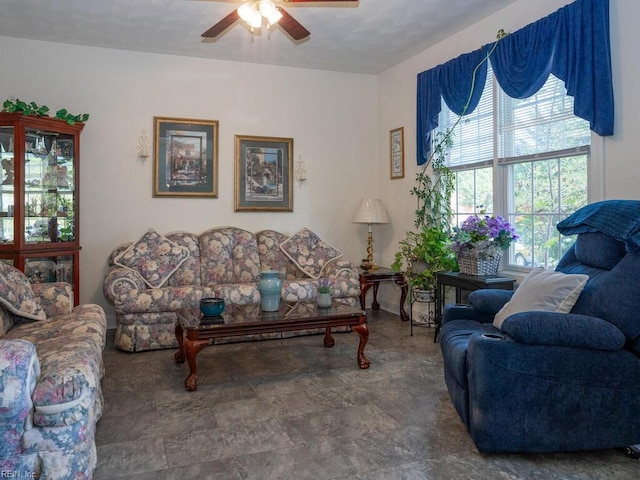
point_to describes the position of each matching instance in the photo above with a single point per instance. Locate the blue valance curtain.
(572, 43)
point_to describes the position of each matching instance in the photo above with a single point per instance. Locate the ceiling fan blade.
(292, 26)
(222, 25)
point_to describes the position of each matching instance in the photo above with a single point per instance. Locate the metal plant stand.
(426, 297)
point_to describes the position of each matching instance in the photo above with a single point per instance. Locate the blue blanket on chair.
(619, 219)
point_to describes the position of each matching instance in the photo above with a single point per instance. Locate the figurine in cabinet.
(56, 176)
(8, 165)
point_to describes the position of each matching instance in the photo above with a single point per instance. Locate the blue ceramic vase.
(270, 287)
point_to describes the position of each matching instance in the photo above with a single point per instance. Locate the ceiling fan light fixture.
(246, 10)
(254, 13)
(274, 16)
(256, 20)
(266, 7)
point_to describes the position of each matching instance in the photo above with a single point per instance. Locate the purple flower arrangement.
(324, 286)
(483, 232)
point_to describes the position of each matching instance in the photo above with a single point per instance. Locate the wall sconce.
(301, 171)
(143, 147)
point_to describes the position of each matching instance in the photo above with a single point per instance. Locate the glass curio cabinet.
(39, 198)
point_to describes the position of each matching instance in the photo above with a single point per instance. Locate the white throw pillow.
(543, 290)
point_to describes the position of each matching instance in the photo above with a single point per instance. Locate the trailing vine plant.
(433, 192)
(433, 214)
(32, 108)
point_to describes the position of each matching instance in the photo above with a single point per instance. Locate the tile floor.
(293, 409)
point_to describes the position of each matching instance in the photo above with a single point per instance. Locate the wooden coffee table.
(194, 332)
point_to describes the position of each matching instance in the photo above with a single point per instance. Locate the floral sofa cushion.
(228, 255)
(16, 294)
(6, 321)
(70, 355)
(154, 256)
(310, 253)
(20, 369)
(189, 272)
(273, 258)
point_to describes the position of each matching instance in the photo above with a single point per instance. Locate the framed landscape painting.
(263, 174)
(396, 152)
(185, 157)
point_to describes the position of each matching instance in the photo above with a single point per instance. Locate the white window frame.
(502, 185)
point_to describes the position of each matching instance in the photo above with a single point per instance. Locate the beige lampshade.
(371, 210)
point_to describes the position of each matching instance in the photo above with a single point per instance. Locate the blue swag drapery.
(572, 43)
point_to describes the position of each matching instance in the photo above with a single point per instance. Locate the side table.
(373, 278)
(468, 283)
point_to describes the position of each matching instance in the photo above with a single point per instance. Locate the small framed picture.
(263, 174)
(396, 152)
(185, 157)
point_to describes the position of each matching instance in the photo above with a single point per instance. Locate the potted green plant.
(426, 251)
(324, 294)
(433, 215)
(422, 254)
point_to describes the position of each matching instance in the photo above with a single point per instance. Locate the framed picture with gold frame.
(396, 152)
(263, 174)
(185, 157)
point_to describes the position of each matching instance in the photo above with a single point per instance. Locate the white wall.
(615, 158)
(332, 118)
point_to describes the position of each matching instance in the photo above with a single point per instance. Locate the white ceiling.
(366, 36)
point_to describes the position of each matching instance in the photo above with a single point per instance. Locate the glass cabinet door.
(49, 194)
(7, 185)
(49, 269)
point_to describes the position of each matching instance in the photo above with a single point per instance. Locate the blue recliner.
(548, 381)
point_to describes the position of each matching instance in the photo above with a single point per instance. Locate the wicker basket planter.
(479, 262)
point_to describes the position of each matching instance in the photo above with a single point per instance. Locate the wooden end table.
(194, 332)
(373, 278)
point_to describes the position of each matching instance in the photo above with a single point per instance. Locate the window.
(524, 159)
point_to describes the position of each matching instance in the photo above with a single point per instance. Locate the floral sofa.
(152, 278)
(50, 371)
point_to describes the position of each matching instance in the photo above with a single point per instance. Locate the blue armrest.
(563, 330)
(489, 300)
(483, 305)
(464, 312)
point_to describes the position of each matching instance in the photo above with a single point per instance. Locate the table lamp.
(370, 211)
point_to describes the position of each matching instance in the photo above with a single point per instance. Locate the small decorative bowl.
(212, 306)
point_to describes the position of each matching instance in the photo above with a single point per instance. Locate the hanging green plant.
(429, 245)
(32, 108)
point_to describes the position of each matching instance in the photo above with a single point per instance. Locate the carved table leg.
(375, 305)
(179, 355)
(363, 331)
(364, 288)
(192, 347)
(328, 339)
(404, 288)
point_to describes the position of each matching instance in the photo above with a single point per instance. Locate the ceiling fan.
(255, 12)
